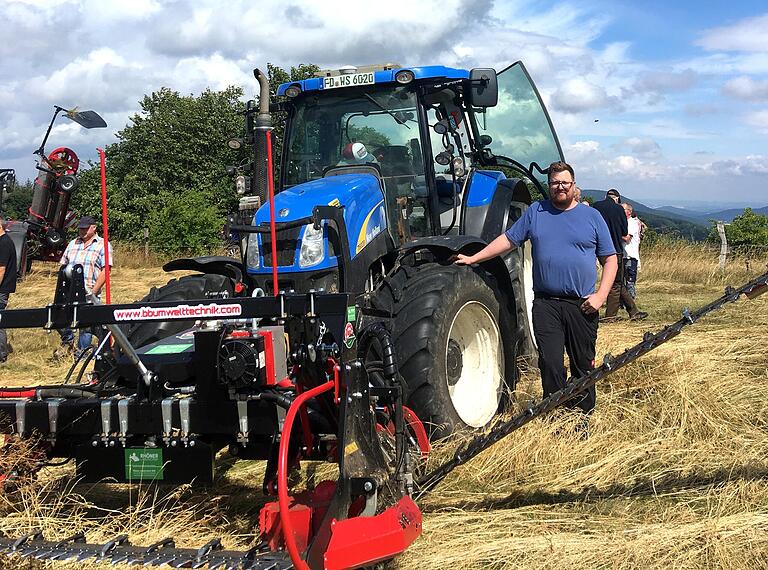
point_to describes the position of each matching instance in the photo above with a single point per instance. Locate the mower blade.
(85, 555)
(117, 558)
(28, 551)
(161, 559)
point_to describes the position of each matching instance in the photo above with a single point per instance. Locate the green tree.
(748, 229)
(170, 158)
(17, 202)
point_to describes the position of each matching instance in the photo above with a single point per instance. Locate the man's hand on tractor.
(462, 259)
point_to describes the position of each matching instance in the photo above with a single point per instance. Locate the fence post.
(723, 244)
(146, 243)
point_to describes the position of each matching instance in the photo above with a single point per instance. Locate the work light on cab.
(293, 91)
(404, 77)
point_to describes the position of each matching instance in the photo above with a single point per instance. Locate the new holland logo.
(283, 212)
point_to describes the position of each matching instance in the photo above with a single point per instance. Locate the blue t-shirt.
(565, 244)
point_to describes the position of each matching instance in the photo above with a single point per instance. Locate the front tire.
(183, 289)
(453, 334)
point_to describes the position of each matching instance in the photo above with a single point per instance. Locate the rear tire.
(183, 289)
(455, 343)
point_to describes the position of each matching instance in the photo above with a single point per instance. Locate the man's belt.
(566, 298)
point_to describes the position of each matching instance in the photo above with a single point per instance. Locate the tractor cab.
(406, 154)
(424, 132)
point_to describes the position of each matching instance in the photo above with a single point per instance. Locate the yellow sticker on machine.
(350, 448)
(335, 202)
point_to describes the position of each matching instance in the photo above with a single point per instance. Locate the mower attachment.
(247, 373)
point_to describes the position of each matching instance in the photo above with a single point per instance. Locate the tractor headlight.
(252, 254)
(312, 248)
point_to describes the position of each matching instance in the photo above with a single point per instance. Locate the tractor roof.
(385, 76)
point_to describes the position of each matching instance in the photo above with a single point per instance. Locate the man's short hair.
(560, 166)
(613, 192)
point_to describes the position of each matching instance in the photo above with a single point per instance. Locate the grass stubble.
(673, 475)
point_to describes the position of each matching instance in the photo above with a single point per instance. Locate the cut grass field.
(673, 475)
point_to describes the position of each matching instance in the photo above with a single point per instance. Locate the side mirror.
(483, 87)
(485, 140)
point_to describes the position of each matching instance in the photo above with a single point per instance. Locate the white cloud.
(643, 147)
(667, 81)
(578, 95)
(745, 35)
(755, 164)
(746, 88)
(758, 119)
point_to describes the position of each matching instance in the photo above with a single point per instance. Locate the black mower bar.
(578, 385)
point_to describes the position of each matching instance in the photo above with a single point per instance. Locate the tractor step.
(119, 550)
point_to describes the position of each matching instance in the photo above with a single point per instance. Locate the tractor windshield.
(325, 127)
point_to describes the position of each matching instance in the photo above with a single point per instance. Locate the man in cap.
(356, 153)
(616, 219)
(87, 249)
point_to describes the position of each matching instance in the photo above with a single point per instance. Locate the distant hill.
(663, 221)
(725, 215)
(728, 215)
(682, 213)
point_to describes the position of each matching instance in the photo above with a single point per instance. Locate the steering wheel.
(64, 161)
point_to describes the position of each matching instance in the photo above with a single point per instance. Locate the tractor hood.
(359, 194)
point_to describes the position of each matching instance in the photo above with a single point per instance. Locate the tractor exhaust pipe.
(262, 125)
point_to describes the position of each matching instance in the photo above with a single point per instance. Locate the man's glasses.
(559, 184)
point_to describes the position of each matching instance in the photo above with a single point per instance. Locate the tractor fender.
(208, 265)
(445, 247)
(493, 217)
(512, 271)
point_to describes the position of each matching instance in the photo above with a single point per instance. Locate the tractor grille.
(286, 247)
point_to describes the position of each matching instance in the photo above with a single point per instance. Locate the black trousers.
(561, 326)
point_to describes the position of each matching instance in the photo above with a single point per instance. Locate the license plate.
(348, 80)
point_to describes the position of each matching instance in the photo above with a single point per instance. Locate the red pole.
(271, 186)
(104, 222)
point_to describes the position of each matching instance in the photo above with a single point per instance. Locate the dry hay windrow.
(672, 475)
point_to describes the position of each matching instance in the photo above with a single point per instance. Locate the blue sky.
(679, 89)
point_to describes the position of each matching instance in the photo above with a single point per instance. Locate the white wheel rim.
(475, 391)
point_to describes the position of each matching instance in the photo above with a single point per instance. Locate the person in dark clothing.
(616, 220)
(7, 283)
(566, 240)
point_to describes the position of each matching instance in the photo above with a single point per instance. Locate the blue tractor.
(387, 172)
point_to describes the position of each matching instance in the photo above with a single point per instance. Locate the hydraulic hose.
(282, 472)
(48, 392)
(20, 393)
(377, 331)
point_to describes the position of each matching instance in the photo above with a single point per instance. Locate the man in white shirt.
(631, 251)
